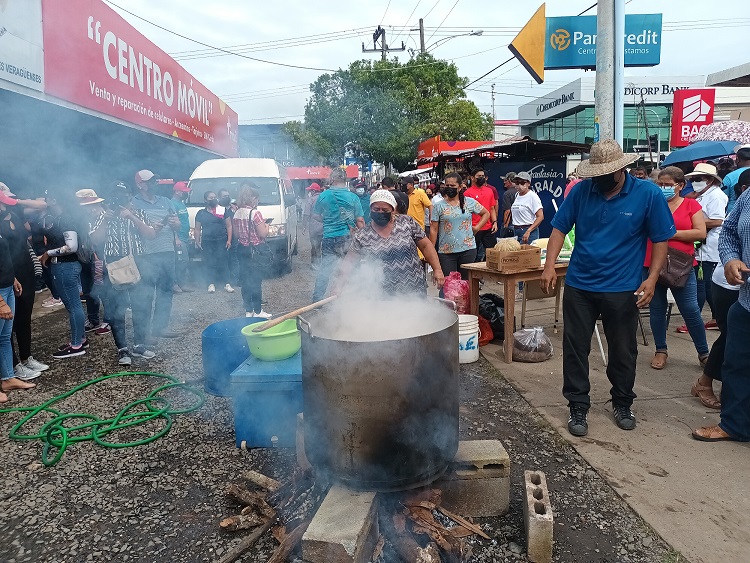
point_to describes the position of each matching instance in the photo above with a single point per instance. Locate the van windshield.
(268, 187)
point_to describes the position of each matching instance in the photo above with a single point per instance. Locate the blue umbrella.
(701, 150)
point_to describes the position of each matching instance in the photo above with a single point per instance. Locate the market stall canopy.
(318, 172)
(524, 148)
(700, 150)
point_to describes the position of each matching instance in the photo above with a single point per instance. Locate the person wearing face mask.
(213, 238)
(487, 197)
(526, 211)
(707, 189)
(614, 215)
(360, 189)
(451, 223)
(392, 240)
(180, 193)
(152, 306)
(691, 227)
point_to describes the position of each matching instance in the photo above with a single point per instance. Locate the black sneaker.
(577, 424)
(84, 345)
(69, 352)
(140, 351)
(624, 418)
(124, 357)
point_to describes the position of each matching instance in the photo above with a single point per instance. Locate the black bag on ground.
(491, 307)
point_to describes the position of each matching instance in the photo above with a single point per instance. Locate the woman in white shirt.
(707, 184)
(526, 212)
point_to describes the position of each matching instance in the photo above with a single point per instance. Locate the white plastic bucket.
(468, 339)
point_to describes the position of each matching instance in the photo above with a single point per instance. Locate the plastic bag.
(457, 290)
(491, 307)
(531, 345)
(485, 331)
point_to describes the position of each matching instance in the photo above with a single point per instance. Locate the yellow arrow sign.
(528, 46)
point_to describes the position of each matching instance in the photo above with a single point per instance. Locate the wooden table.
(479, 271)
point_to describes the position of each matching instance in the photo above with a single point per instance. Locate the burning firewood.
(405, 545)
(464, 523)
(241, 522)
(261, 480)
(289, 543)
(253, 500)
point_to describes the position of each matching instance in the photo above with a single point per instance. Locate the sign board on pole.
(528, 46)
(21, 49)
(95, 59)
(692, 110)
(571, 41)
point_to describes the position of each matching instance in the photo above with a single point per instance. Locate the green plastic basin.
(277, 343)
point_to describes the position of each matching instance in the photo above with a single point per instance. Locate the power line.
(384, 13)
(491, 71)
(408, 20)
(442, 22)
(217, 48)
(433, 7)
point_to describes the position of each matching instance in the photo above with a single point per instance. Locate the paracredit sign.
(95, 59)
(692, 110)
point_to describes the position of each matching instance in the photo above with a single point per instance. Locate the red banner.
(429, 148)
(692, 110)
(318, 172)
(95, 59)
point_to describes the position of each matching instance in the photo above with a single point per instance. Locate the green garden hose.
(55, 435)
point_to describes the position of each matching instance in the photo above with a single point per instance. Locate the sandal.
(713, 434)
(706, 394)
(659, 363)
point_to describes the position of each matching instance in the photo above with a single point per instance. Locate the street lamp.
(444, 40)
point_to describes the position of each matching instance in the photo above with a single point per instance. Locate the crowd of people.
(102, 256)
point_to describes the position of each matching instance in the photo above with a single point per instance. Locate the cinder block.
(537, 516)
(300, 443)
(477, 483)
(344, 529)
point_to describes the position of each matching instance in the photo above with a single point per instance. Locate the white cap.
(383, 196)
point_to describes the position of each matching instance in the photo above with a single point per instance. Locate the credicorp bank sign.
(571, 41)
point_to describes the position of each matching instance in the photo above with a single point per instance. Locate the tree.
(382, 110)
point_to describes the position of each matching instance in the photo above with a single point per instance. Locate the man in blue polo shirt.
(614, 215)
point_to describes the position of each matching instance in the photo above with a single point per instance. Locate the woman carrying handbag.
(254, 255)
(691, 226)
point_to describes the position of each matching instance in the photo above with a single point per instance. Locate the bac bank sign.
(571, 41)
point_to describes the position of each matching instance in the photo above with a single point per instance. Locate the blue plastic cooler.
(223, 347)
(266, 397)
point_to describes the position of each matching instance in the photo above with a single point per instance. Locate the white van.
(277, 199)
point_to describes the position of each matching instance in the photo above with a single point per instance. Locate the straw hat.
(705, 169)
(605, 158)
(87, 197)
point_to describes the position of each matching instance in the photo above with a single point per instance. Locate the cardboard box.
(528, 258)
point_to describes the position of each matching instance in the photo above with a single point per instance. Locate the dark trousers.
(704, 286)
(22, 322)
(619, 315)
(735, 388)
(333, 249)
(484, 239)
(723, 299)
(90, 293)
(233, 262)
(116, 302)
(251, 278)
(215, 261)
(181, 262)
(316, 242)
(152, 297)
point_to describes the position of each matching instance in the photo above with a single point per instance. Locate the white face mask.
(360, 191)
(700, 186)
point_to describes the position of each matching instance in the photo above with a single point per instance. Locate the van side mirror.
(290, 200)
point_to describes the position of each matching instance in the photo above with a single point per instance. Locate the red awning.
(318, 172)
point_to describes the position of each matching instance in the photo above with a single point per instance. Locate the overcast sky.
(329, 35)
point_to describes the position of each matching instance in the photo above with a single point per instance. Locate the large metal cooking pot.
(381, 414)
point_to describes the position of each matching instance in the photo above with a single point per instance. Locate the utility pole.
(384, 48)
(493, 102)
(645, 123)
(421, 36)
(609, 70)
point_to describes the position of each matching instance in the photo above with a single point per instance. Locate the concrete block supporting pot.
(344, 529)
(477, 483)
(537, 516)
(300, 443)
